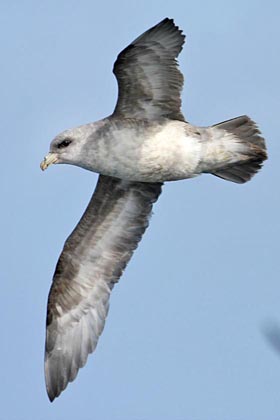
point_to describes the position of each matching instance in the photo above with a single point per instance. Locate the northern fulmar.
(144, 143)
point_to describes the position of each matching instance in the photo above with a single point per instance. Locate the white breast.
(148, 153)
(170, 154)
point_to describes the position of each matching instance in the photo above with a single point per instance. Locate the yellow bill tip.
(48, 160)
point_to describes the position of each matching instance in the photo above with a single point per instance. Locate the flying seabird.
(144, 143)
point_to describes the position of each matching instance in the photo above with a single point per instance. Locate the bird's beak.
(48, 160)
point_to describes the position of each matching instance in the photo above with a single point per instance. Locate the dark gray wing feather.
(92, 261)
(149, 80)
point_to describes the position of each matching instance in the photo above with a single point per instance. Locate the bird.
(144, 143)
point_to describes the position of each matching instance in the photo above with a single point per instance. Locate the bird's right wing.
(92, 261)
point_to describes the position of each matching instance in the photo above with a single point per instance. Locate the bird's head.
(69, 146)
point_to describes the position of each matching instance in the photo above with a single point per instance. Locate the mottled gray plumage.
(92, 261)
(247, 130)
(145, 142)
(149, 80)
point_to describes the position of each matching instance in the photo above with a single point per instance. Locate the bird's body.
(153, 151)
(165, 151)
(144, 143)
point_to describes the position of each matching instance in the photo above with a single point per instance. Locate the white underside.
(158, 154)
(161, 152)
(170, 154)
(176, 151)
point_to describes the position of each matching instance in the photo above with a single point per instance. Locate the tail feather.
(253, 154)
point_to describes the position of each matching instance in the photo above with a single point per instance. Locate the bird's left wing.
(92, 261)
(148, 76)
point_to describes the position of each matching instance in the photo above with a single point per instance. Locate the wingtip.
(169, 23)
(54, 385)
(167, 19)
(51, 397)
(54, 393)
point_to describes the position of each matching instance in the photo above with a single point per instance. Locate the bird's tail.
(243, 149)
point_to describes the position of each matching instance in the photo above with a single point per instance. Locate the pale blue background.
(184, 338)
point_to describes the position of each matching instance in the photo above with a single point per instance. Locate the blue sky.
(184, 338)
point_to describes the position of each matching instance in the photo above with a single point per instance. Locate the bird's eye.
(64, 143)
